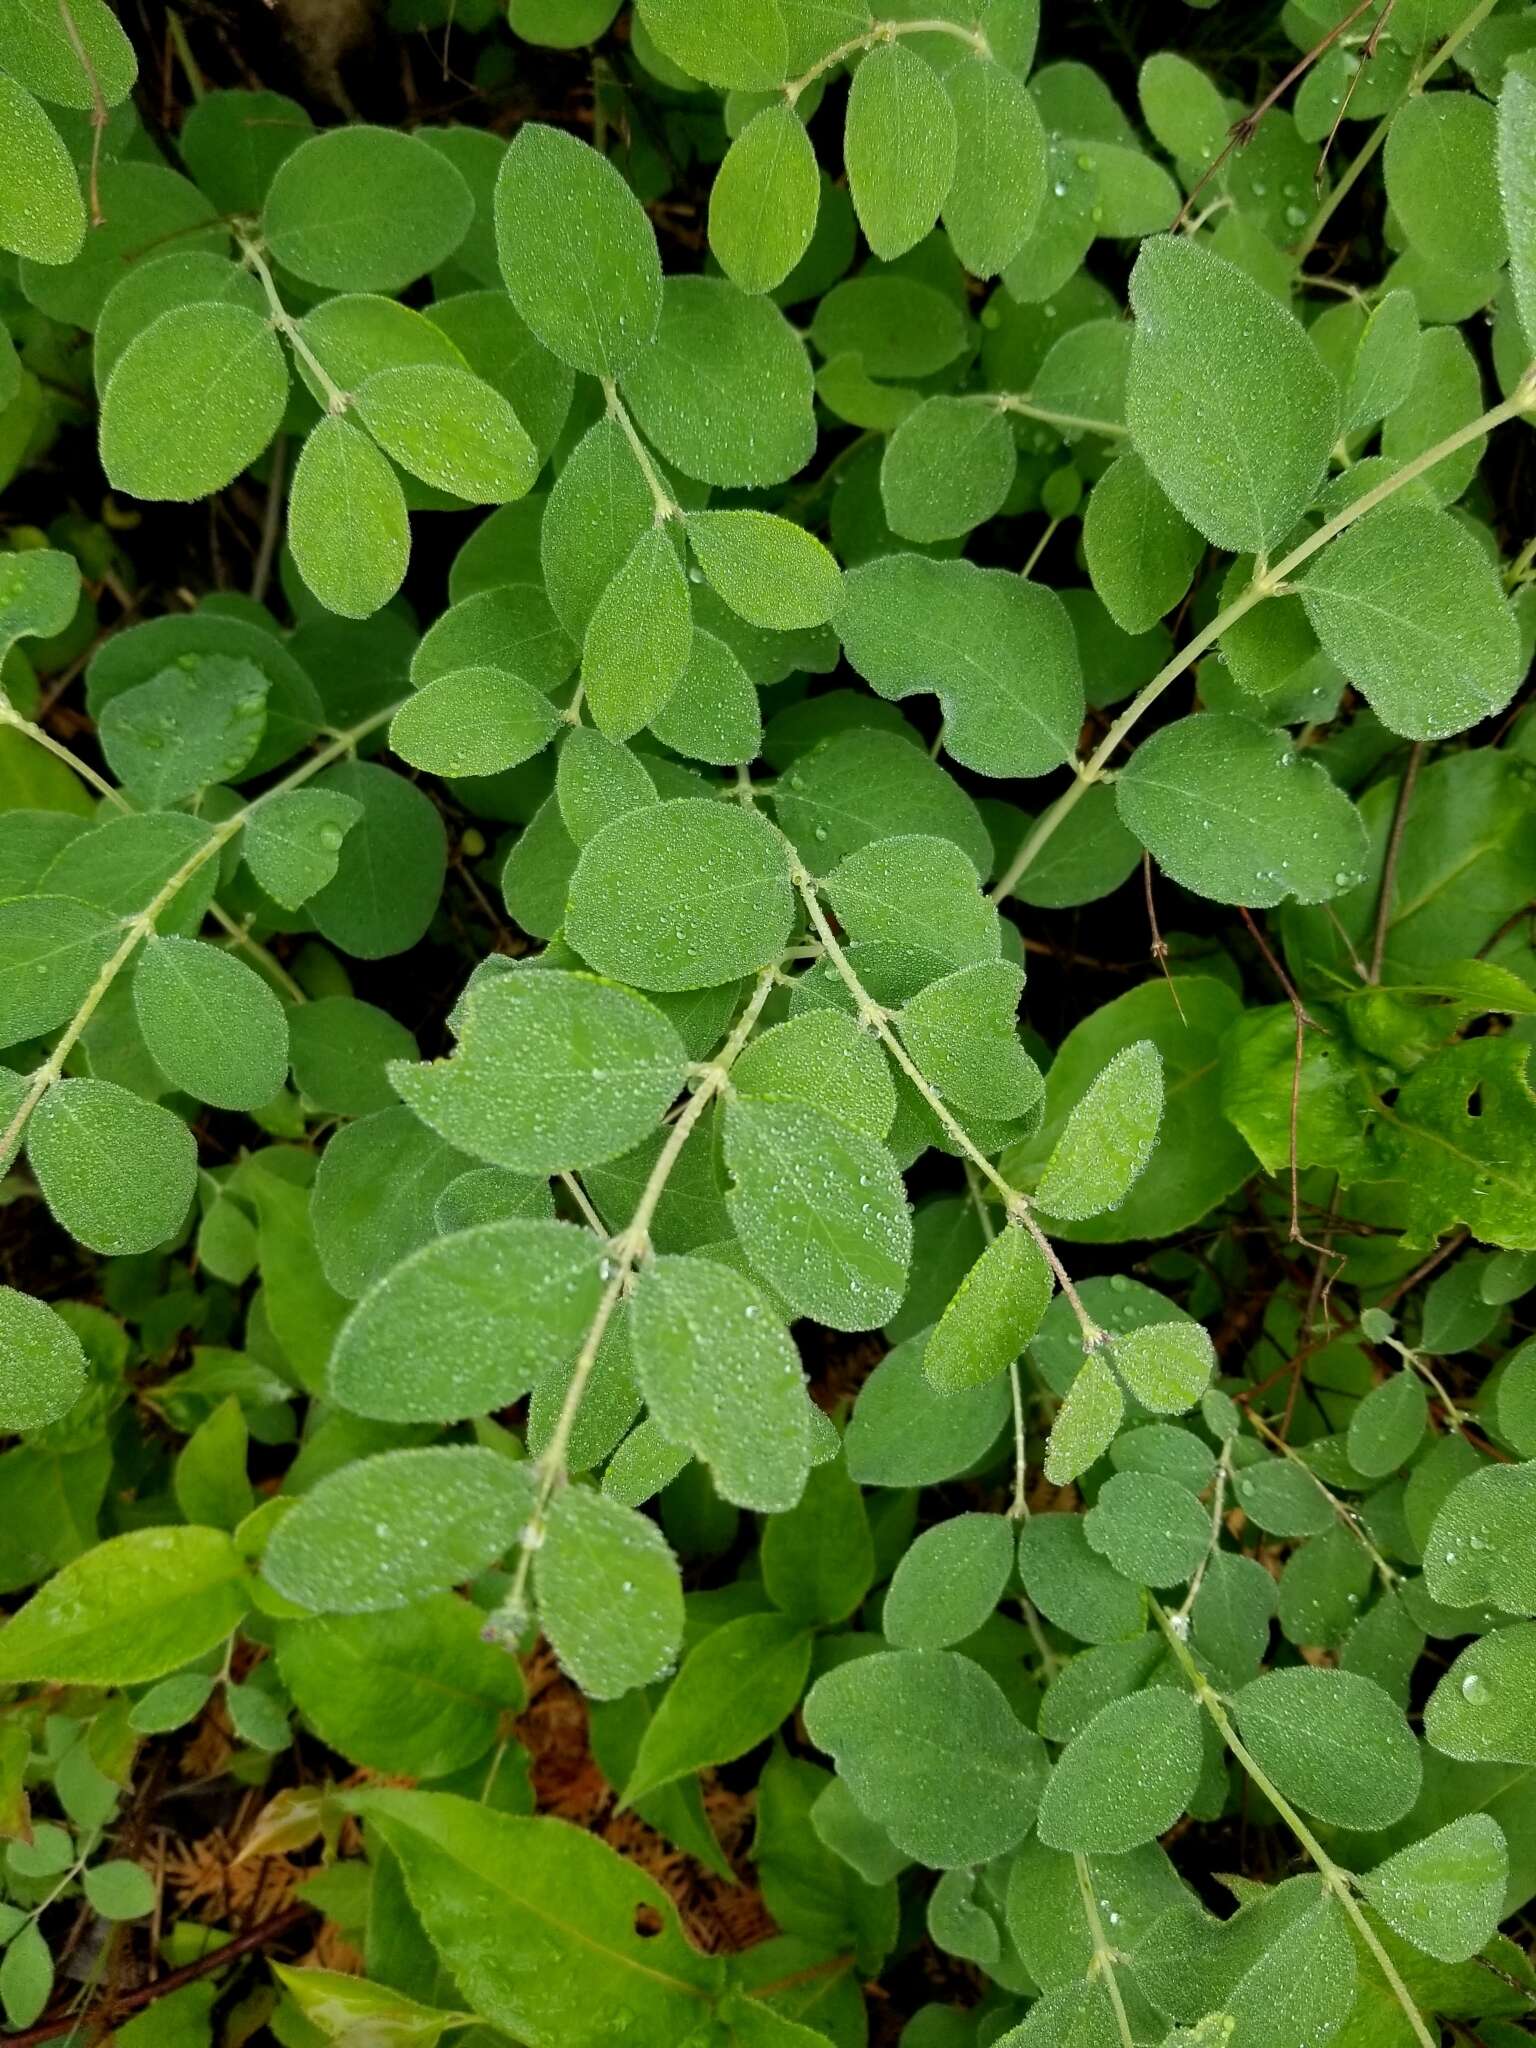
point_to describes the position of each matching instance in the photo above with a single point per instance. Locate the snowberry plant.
(767, 858)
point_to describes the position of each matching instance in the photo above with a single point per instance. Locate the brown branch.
(98, 111)
(1242, 132)
(1389, 865)
(148, 1994)
(271, 524)
(1159, 944)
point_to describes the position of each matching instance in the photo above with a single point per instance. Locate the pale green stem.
(1268, 584)
(663, 506)
(1519, 568)
(877, 1019)
(1018, 1507)
(1021, 403)
(1103, 1956)
(142, 924)
(884, 32)
(626, 1252)
(1039, 549)
(1366, 154)
(1218, 1504)
(1455, 1415)
(104, 789)
(336, 400)
(1385, 1572)
(579, 1196)
(1336, 1879)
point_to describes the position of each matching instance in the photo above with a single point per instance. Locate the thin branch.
(1335, 1878)
(1103, 1956)
(662, 504)
(98, 111)
(1389, 864)
(1159, 943)
(884, 32)
(1242, 132)
(271, 522)
(1522, 404)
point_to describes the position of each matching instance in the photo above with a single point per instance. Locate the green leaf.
(1459, 1144)
(917, 892)
(720, 1374)
(473, 721)
(386, 1531)
(42, 1364)
(638, 638)
(1388, 1426)
(713, 714)
(1283, 1967)
(193, 399)
(212, 1025)
(819, 1560)
(117, 1172)
(1126, 1778)
(904, 1432)
(185, 728)
(232, 143)
(375, 1196)
(26, 1976)
(994, 1313)
(415, 1692)
(930, 1749)
(120, 1890)
(1481, 1710)
(1085, 1423)
(999, 183)
(1477, 1548)
(732, 1692)
(492, 1888)
(131, 1609)
(770, 571)
(390, 865)
(962, 1030)
(1517, 185)
(1442, 184)
(39, 591)
(999, 652)
(1445, 1894)
(347, 524)
(893, 324)
(565, 219)
(437, 1339)
(51, 950)
(1386, 362)
(451, 429)
(948, 467)
(821, 1212)
(1150, 1527)
(361, 209)
(845, 792)
(42, 213)
(821, 1058)
(1167, 1366)
(1230, 405)
(763, 203)
(603, 1068)
(292, 842)
(37, 48)
(1108, 1138)
(682, 895)
(725, 392)
(1199, 1158)
(335, 2005)
(608, 1592)
(1141, 551)
(1073, 1586)
(598, 779)
(1229, 810)
(899, 146)
(142, 206)
(948, 1582)
(1334, 1742)
(599, 508)
(1407, 603)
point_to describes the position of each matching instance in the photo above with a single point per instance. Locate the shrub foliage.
(527, 1168)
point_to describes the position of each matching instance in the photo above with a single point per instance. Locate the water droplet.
(1476, 1690)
